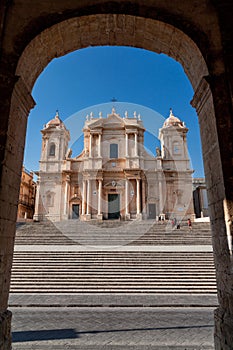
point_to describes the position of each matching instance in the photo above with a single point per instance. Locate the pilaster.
(12, 144)
(216, 136)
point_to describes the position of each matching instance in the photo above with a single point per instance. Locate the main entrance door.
(75, 211)
(113, 206)
(152, 211)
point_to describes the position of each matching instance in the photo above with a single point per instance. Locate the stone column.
(90, 146)
(138, 198)
(36, 216)
(127, 214)
(66, 195)
(99, 146)
(84, 197)
(160, 198)
(88, 215)
(100, 215)
(136, 144)
(126, 144)
(143, 197)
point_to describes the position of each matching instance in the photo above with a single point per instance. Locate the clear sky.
(140, 80)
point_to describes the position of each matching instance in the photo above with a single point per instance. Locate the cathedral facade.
(114, 177)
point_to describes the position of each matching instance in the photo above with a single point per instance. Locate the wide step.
(146, 232)
(105, 272)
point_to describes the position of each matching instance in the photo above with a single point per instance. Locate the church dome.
(172, 121)
(56, 121)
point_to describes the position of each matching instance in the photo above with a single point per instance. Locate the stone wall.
(5, 330)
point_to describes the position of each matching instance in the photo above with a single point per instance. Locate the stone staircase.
(113, 257)
(113, 233)
(113, 272)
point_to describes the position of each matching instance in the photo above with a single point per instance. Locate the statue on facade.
(158, 152)
(69, 153)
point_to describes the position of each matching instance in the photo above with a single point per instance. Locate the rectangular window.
(114, 150)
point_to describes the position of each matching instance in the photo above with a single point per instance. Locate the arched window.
(113, 150)
(52, 149)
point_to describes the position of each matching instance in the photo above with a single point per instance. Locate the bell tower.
(55, 138)
(177, 188)
(173, 138)
(54, 145)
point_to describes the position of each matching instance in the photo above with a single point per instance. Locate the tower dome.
(56, 121)
(172, 121)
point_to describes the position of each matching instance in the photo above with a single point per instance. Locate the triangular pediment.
(113, 118)
(96, 124)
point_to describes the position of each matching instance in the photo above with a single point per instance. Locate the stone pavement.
(112, 300)
(112, 328)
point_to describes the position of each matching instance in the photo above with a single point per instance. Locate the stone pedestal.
(85, 217)
(127, 217)
(35, 217)
(88, 217)
(193, 217)
(100, 217)
(223, 335)
(139, 216)
(5, 330)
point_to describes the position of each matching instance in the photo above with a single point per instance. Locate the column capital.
(68, 178)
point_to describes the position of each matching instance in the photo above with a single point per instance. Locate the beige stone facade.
(114, 177)
(27, 195)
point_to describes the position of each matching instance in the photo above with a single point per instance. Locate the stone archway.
(157, 36)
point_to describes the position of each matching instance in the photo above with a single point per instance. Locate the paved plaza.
(118, 328)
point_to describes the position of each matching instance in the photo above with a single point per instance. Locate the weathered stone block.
(5, 330)
(223, 330)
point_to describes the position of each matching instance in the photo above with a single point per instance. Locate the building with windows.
(114, 177)
(27, 195)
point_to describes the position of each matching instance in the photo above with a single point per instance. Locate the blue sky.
(140, 80)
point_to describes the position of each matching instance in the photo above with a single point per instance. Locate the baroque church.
(114, 177)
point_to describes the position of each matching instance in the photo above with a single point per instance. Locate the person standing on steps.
(190, 225)
(174, 222)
